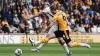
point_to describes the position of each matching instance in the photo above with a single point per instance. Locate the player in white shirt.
(53, 28)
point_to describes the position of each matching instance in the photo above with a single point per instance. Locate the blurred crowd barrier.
(24, 39)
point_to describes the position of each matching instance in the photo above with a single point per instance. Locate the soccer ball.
(18, 52)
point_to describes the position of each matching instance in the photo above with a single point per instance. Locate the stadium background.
(17, 24)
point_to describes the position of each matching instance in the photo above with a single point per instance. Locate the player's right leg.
(63, 44)
(59, 35)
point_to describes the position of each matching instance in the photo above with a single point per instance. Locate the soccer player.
(60, 18)
(52, 29)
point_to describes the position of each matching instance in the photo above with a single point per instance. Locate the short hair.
(53, 7)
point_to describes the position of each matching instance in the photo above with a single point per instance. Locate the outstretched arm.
(40, 13)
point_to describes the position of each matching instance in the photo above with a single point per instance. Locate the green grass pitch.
(49, 50)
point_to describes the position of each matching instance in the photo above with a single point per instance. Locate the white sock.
(37, 42)
(83, 44)
(65, 48)
(41, 45)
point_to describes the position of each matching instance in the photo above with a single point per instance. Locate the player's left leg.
(73, 44)
(78, 44)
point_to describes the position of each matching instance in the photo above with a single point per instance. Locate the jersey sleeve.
(46, 10)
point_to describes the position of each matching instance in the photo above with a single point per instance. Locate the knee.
(61, 42)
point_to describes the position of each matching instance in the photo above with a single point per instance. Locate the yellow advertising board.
(86, 38)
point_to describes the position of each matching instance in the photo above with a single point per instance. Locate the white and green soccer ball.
(18, 52)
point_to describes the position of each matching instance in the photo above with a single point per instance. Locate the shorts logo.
(64, 36)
